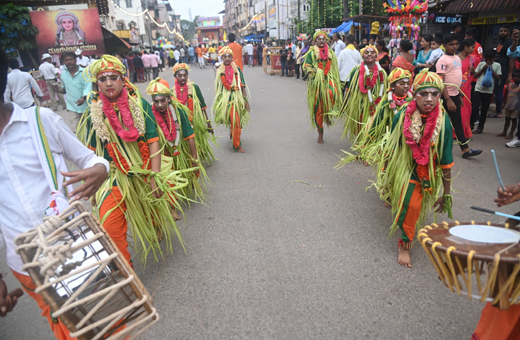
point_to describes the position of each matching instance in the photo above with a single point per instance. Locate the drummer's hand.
(7, 303)
(511, 195)
(92, 179)
(439, 205)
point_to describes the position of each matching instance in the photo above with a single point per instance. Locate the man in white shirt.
(154, 65)
(249, 49)
(50, 74)
(147, 65)
(348, 58)
(81, 59)
(177, 55)
(19, 86)
(338, 45)
(25, 187)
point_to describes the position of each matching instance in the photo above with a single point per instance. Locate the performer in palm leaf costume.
(177, 138)
(189, 95)
(324, 86)
(416, 161)
(365, 87)
(120, 126)
(231, 107)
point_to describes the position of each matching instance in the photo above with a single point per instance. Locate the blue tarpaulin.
(344, 27)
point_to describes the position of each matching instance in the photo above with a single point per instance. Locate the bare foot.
(509, 137)
(160, 236)
(387, 205)
(240, 150)
(503, 134)
(365, 163)
(175, 216)
(320, 137)
(404, 258)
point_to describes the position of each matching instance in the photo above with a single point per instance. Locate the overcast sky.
(203, 8)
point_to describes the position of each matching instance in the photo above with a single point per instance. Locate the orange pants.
(411, 211)
(235, 127)
(496, 324)
(115, 224)
(60, 331)
(319, 118)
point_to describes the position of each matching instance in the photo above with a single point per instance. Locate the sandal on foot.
(477, 131)
(471, 153)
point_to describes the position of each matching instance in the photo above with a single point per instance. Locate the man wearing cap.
(81, 59)
(50, 74)
(231, 107)
(415, 162)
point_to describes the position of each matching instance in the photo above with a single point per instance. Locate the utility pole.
(345, 8)
(299, 17)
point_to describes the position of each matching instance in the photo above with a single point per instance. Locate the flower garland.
(168, 126)
(396, 102)
(181, 92)
(420, 143)
(370, 83)
(121, 163)
(188, 99)
(229, 73)
(98, 121)
(129, 112)
(144, 150)
(226, 84)
(323, 55)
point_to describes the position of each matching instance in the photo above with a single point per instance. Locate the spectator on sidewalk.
(139, 67)
(76, 88)
(237, 51)
(131, 69)
(348, 58)
(511, 106)
(119, 55)
(191, 55)
(177, 56)
(82, 60)
(449, 68)
(19, 86)
(154, 65)
(507, 66)
(200, 57)
(147, 60)
(283, 59)
(182, 52)
(297, 59)
(481, 98)
(49, 73)
(249, 49)
(338, 45)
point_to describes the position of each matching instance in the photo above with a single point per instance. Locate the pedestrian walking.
(19, 85)
(76, 88)
(139, 67)
(147, 63)
(49, 73)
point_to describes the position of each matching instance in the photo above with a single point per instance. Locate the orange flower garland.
(226, 84)
(118, 159)
(145, 154)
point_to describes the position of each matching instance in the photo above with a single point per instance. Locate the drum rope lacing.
(48, 259)
(448, 271)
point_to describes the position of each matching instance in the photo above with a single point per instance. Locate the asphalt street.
(287, 247)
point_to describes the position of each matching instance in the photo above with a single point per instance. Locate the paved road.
(269, 258)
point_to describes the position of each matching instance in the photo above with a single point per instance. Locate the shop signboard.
(446, 19)
(502, 19)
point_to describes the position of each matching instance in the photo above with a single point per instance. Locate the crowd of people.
(140, 161)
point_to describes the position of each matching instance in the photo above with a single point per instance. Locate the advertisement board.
(69, 30)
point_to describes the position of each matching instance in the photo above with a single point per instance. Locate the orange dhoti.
(60, 331)
(236, 130)
(114, 221)
(497, 324)
(410, 213)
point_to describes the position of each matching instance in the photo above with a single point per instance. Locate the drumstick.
(498, 170)
(496, 213)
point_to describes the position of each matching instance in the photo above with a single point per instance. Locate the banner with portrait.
(68, 30)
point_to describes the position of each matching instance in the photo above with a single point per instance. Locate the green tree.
(17, 29)
(188, 29)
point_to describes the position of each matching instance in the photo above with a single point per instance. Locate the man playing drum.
(29, 168)
(495, 323)
(416, 161)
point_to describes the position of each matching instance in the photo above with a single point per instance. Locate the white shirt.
(48, 70)
(19, 87)
(177, 55)
(83, 61)
(338, 47)
(348, 58)
(435, 55)
(249, 49)
(19, 158)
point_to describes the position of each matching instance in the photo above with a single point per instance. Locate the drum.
(481, 261)
(81, 275)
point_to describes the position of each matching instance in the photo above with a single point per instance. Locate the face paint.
(227, 58)
(110, 84)
(370, 55)
(161, 103)
(401, 87)
(427, 99)
(182, 77)
(321, 41)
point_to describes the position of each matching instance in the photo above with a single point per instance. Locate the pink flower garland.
(169, 128)
(324, 52)
(420, 151)
(129, 135)
(182, 96)
(229, 72)
(371, 83)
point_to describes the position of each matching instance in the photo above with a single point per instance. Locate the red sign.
(276, 62)
(62, 31)
(43, 86)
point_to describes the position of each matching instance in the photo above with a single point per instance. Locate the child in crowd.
(511, 106)
(436, 53)
(290, 62)
(483, 91)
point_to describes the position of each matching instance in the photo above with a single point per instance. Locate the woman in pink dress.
(468, 69)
